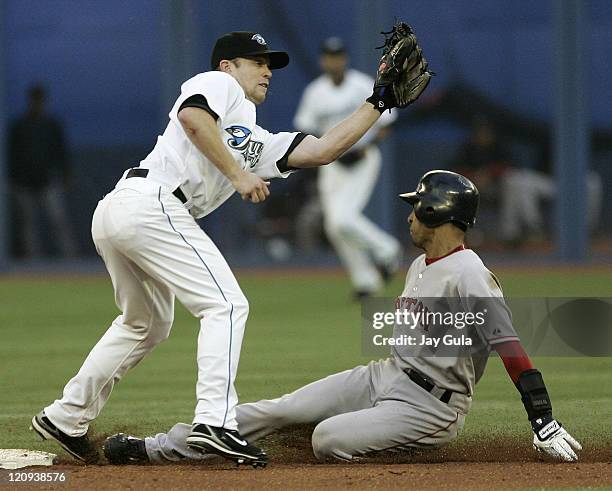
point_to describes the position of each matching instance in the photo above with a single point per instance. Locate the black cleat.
(121, 449)
(227, 443)
(361, 295)
(387, 270)
(78, 446)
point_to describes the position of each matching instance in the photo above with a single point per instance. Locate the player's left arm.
(482, 291)
(314, 152)
(549, 435)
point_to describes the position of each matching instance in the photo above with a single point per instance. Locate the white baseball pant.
(360, 244)
(154, 250)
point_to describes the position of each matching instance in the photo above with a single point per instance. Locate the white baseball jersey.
(324, 105)
(462, 276)
(344, 191)
(155, 252)
(175, 161)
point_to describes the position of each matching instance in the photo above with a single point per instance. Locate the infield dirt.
(448, 476)
(466, 465)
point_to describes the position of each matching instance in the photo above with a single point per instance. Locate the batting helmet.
(442, 197)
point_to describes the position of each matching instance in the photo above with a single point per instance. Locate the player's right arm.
(201, 129)
(204, 102)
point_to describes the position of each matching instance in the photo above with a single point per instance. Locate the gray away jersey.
(450, 288)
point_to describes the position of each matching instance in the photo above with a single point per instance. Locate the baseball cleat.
(121, 449)
(361, 295)
(388, 269)
(227, 443)
(78, 446)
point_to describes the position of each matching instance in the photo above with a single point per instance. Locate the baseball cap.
(243, 43)
(333, 46)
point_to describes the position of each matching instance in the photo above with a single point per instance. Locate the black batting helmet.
(444, 197)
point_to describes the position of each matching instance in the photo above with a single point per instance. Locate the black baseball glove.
(402, 72)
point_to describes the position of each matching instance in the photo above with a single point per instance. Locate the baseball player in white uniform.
(369, 253)
(146, 233)
(413, 399)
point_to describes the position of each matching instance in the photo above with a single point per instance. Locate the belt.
(140, 172)
(351, 157)
(438, 392)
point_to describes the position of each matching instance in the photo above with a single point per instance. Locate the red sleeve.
(514, 357)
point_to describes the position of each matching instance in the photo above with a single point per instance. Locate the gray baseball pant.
(367, 409)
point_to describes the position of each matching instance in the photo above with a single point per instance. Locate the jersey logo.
(241, 140)
(241, 137)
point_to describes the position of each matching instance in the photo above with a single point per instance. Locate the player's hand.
(251, 187)
(551, 438)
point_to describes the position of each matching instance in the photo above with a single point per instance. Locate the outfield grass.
(301, 328)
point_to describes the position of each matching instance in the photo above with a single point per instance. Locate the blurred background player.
(38, 172)
(369, 253)
(527, 194)
(519, 194)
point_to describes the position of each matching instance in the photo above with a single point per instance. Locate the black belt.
(351, 157)
(437, 392)
(140, 172)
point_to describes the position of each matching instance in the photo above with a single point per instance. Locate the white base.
(17, 458)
